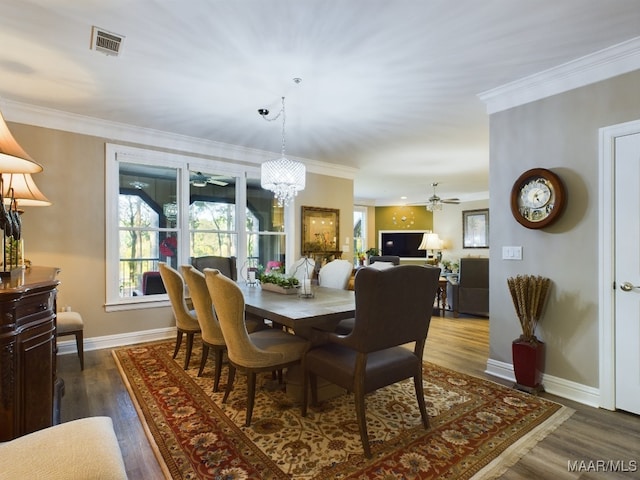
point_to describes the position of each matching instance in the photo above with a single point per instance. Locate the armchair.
(393, 308)
(227, 265)
(470, 293)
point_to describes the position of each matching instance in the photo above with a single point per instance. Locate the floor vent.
(106, 42)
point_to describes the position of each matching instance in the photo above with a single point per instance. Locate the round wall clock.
(538, 198)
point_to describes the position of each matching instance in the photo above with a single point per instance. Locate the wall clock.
(538, 198)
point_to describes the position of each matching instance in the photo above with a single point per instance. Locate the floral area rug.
(477, 428)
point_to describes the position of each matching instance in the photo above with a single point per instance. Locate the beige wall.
(559, 133)
(328, 192)
(447, 223)
(70, 234)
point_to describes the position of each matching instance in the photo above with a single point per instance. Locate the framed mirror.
(320, 230)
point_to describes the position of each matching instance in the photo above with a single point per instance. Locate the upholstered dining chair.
(186, 320)
(393, 308)
(394, 259)
(226, 265)
(264, 350)
(212, 337)
(335, 274)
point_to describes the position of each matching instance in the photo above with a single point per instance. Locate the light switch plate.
(512, 253)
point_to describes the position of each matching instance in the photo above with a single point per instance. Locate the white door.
(627, 272)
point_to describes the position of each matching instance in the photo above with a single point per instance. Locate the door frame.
(606, 258)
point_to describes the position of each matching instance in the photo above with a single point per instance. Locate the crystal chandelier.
(284, 177)
(434, 204)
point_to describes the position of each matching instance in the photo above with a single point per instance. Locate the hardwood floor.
(461, 344)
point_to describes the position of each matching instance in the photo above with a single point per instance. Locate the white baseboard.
(66, 347)
(554, 385)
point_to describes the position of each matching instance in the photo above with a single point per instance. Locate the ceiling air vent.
(106, 42)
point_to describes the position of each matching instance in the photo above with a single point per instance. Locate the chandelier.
(434, 204)
(284, 177)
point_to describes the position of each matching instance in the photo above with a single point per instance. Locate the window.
(212, 215)
(169, 208)
(147, 227)
(266, 241)
(359, 229)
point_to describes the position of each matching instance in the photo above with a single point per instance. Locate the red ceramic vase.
(528, 362)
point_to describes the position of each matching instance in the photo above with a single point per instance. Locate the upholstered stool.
(85, 448)
(70, 323)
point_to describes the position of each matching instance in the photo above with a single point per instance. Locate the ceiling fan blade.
(450, 200)
(220, 183)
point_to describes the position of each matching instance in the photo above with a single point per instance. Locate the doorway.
(619, 313)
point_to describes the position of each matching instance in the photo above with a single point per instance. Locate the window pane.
(213, 243)
(263, 212)
(212, 215)
(265, 249)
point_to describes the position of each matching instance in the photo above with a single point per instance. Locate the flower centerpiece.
(529, 294)
(361, 257)
(274, 279)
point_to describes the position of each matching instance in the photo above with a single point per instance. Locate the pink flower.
(273, 265)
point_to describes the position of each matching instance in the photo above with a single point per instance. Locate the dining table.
(301, 314)
(305, 316)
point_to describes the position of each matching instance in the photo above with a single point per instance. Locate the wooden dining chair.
(393, 308)
(261, 351)
(186, 320)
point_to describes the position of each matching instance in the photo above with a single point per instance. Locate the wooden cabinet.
(27, 351)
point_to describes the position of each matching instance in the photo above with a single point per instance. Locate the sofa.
(80, 449)
(469, 294)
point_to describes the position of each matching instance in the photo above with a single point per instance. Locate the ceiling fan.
(198, 179)
(435, 202)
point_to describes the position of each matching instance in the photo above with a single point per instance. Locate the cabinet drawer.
(30, 309)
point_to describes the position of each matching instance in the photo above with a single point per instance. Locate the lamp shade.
(13, 159)
(430, 241)
(25, 190)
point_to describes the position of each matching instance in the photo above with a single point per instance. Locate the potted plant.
(275, 280)
(361, 257)
(529, 293)
(372, 252)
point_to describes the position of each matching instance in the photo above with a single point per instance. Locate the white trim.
(67, 347)
(553, 385)
(121, 132)
(607, 63)
(606, 264)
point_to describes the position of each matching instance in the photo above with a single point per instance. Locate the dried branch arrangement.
(528, 293)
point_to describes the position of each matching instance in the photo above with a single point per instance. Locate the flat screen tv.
(402, 243)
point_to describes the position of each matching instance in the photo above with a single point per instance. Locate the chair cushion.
(85, 448)
(337, 364)
(281, 346)
(69, 322)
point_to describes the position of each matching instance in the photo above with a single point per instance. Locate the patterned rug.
(477, 428)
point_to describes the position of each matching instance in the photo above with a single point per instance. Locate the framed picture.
(320, 229)
(475, 228)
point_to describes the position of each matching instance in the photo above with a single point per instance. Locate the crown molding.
(601, 65)
(120, 132)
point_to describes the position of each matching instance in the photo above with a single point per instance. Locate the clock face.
(537, 198)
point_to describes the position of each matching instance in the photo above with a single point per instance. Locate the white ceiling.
(389, 87)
